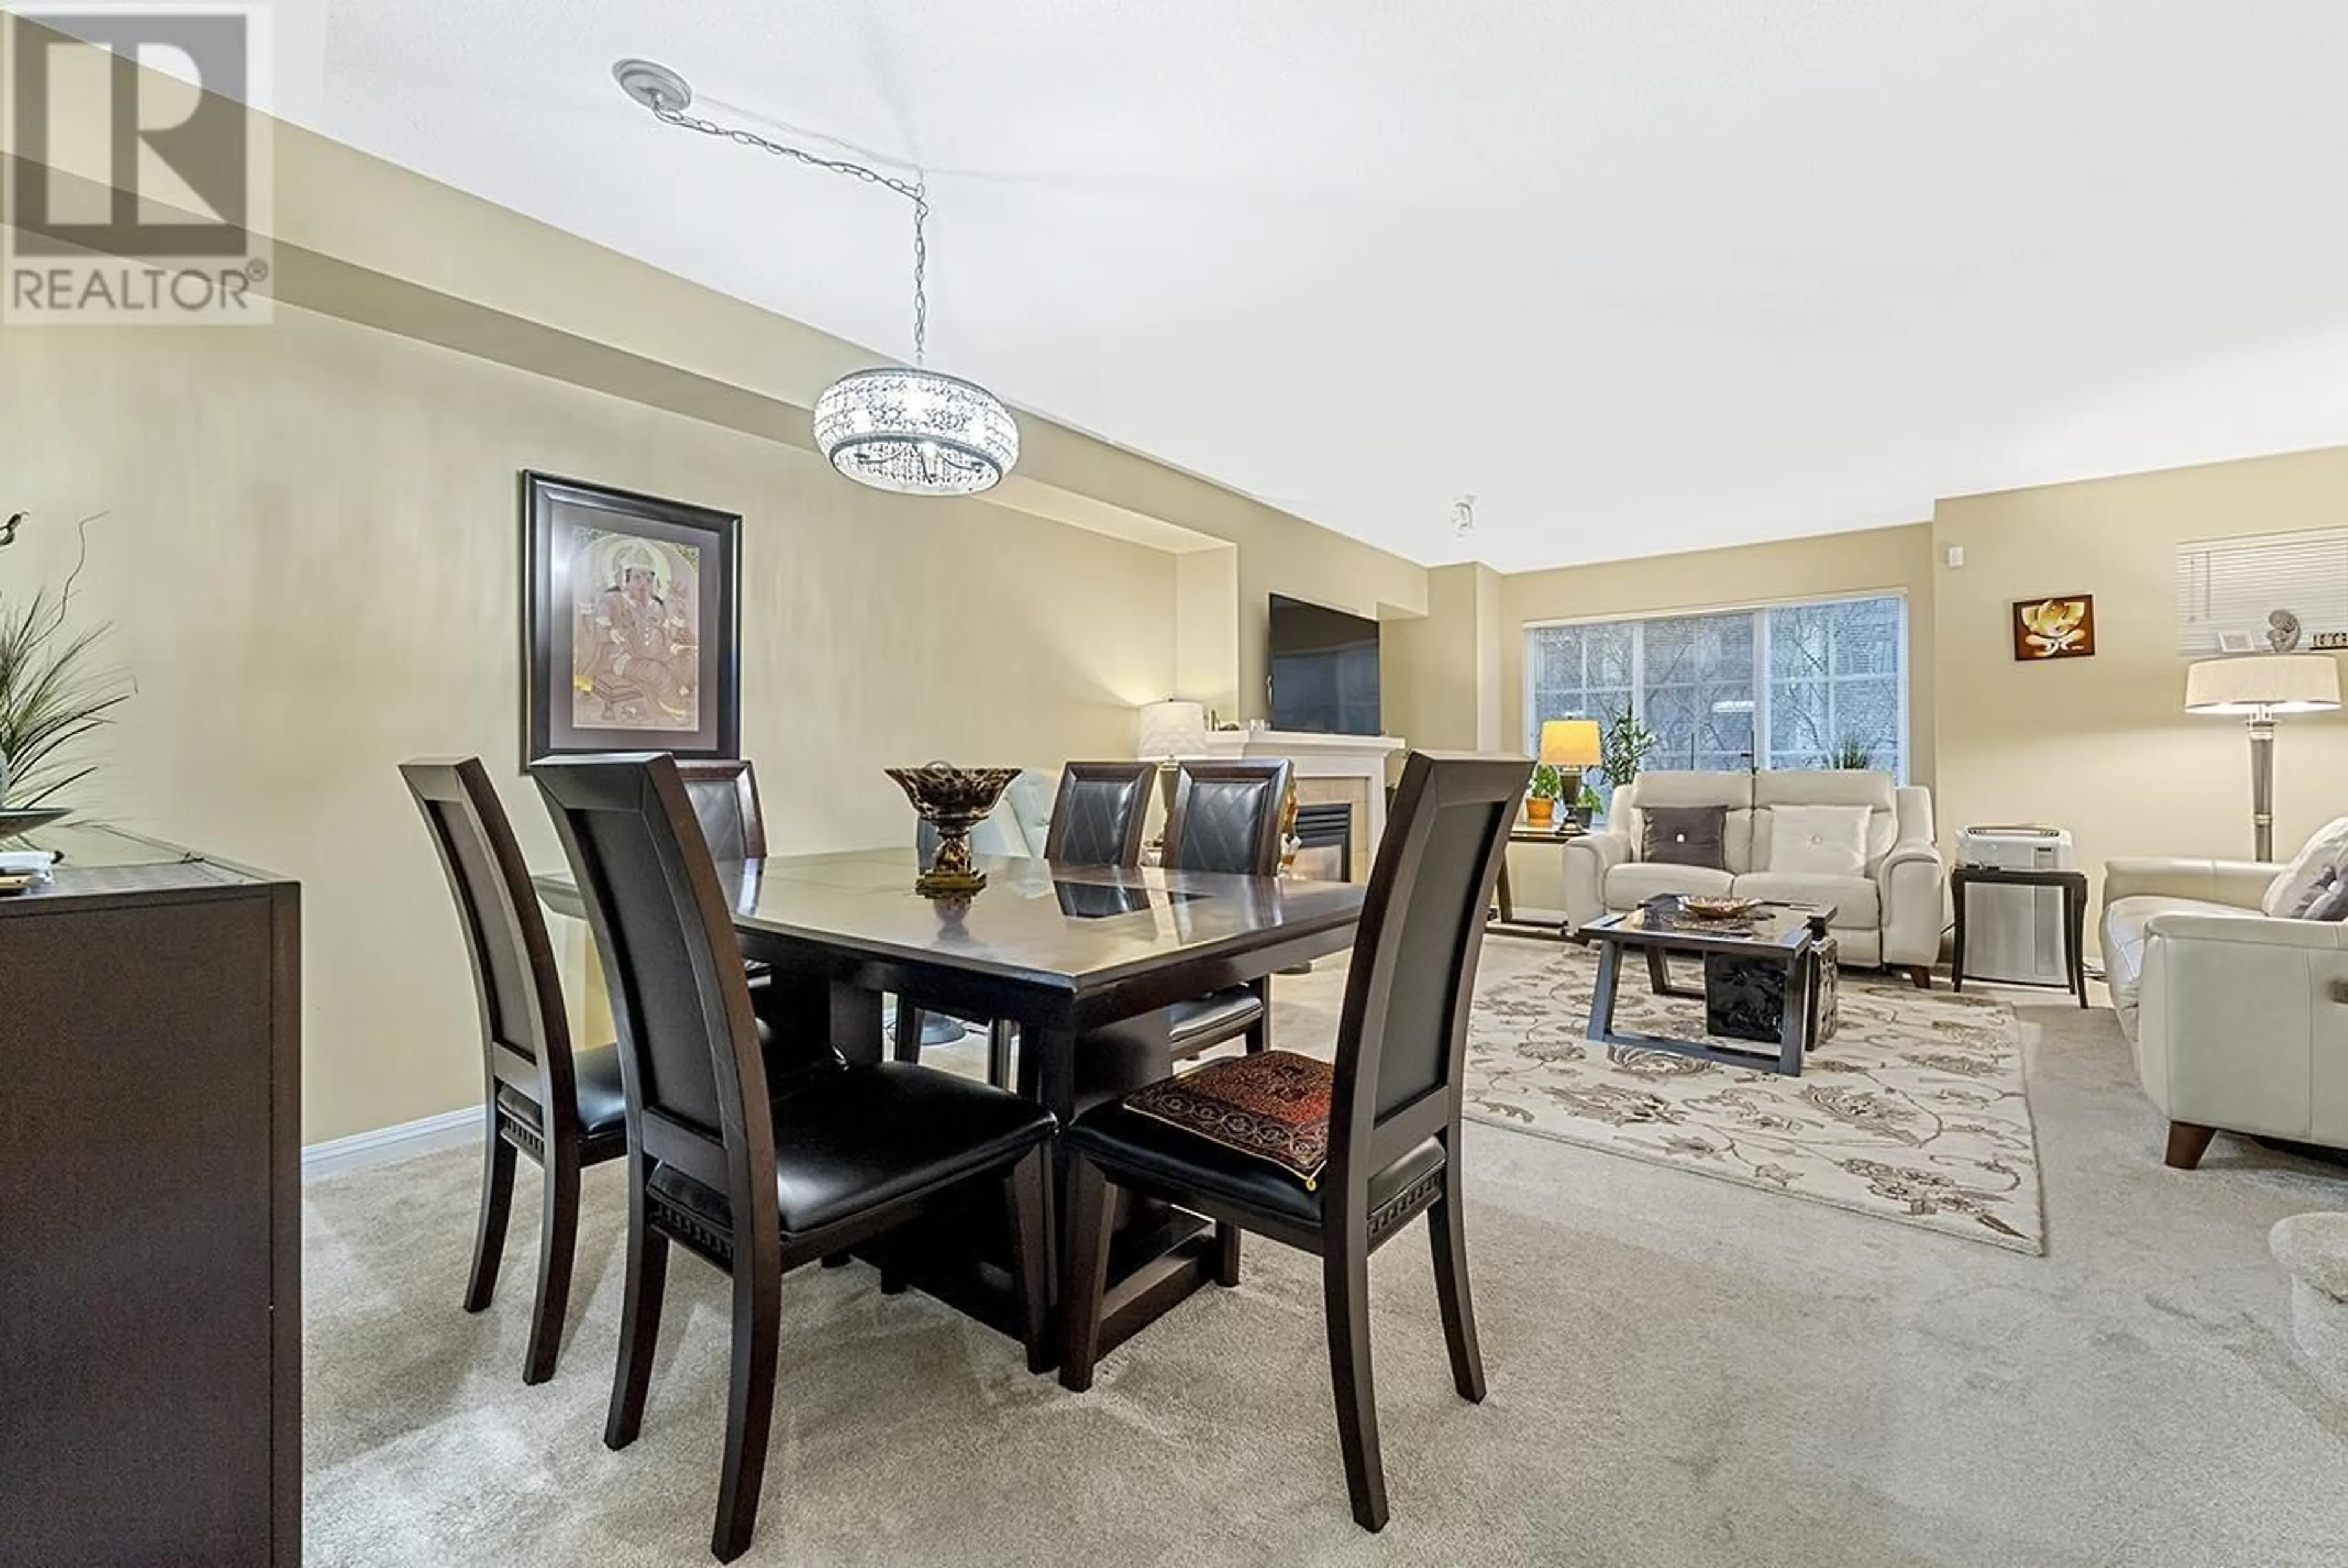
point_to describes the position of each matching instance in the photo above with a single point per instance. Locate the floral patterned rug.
(1913, 1111)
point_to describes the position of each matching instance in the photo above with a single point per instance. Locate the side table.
(1505, 923)
(2073, 887)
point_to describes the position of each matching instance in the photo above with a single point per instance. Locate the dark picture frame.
(631, 633)
(2061, 627)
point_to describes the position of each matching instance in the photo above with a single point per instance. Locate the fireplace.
(1324, 840)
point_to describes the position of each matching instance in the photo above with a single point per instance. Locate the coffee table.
(1768, 978)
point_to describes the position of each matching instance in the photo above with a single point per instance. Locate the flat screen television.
(1325, 670)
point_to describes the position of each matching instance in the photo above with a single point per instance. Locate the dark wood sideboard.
(150, 1226)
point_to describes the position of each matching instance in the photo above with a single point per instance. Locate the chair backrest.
(1747, 828)
(525, 1033)
(1100, 814)
(725, 795)
(1226, 817)
(1402, 1037)
(689, 1055)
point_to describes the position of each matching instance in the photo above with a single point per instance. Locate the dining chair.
(1226, 817)
(1097, 819)
(564, 1109)
(1100, 814)
(1393, 1098)
(751, 1184)
(725, 795)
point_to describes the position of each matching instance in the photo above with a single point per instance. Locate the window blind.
(2231, 592)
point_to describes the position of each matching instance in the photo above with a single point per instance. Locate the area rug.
(1913, 1111)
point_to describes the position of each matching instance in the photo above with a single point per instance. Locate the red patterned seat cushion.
(1273, 1105)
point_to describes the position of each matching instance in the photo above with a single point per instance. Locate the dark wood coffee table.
(1771, 970)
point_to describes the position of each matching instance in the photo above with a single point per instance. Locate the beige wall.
(1439, 674)
(312, 562)
(1876, 558)
(2102, 745)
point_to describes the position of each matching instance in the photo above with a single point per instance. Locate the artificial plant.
(54, 692)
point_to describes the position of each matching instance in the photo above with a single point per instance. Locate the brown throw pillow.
(1273, 1105)
(1685, 836)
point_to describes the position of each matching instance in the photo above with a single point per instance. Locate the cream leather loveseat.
(1889, 912)
(2239, 1020)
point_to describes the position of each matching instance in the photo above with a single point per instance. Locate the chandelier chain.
(914, 190)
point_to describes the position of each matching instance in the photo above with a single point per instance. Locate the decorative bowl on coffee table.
(1711, 907)
(954, 800)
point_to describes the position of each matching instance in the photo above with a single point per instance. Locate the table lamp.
(2259, 686)
(1171, 728)
(1569, 745)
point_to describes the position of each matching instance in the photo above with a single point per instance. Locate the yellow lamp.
(1569, 745)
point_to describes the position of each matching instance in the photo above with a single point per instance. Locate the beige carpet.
(1913, 1111)
(1683, 1374)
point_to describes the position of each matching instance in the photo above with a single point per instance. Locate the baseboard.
(387, 1146)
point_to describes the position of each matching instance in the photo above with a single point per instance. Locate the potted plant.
(1622, 746)
(1585, 810)
(1851, 753)
(52, 692)
(1540, 798)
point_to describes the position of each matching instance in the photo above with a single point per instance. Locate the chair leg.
(1087, 1277)
(1346, 1285)
(749, 1406)
(1446, 1230)
(646, 1269)
(497, 1204)
(909, 1019)
(1258, 1033)
(2188, 1142)
(558, 1240)
(1227, 1253)
(1000, 1034)
(1030, 1209)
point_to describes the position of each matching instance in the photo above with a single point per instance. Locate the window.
(1809, 685)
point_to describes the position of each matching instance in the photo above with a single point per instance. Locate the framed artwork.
(631, 623)
(2061, 627)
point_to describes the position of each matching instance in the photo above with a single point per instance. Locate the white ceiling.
(1642, 275)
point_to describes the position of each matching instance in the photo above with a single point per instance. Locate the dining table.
(1084, 960)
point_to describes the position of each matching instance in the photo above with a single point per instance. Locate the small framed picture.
(2059, 628)
(630, 622)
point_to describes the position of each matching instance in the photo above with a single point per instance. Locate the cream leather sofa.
(2239, 1020)
(1891, 913)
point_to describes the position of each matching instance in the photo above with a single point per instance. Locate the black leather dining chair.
(1100, 814)
(725, 795)
(1226, 817)
(1393, 1128)
(751, 1184)
(564, 1109)
(1097, 819)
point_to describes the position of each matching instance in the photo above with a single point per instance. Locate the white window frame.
(1758, 609)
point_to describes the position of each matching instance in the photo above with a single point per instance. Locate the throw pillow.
(1685, 836)
(2293, 887)
(1819, 840)
(2330, 901)
(1273, 1105)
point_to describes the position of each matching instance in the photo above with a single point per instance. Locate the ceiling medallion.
(909, 429)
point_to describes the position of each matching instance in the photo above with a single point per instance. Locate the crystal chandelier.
(912, 430)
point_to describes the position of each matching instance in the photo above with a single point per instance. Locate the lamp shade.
(2278, 683)
(1171, 728)
(1569, 742)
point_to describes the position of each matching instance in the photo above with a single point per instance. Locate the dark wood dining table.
(1082, 958)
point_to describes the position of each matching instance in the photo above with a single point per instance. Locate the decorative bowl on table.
(1716, 906)
(954, 800)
